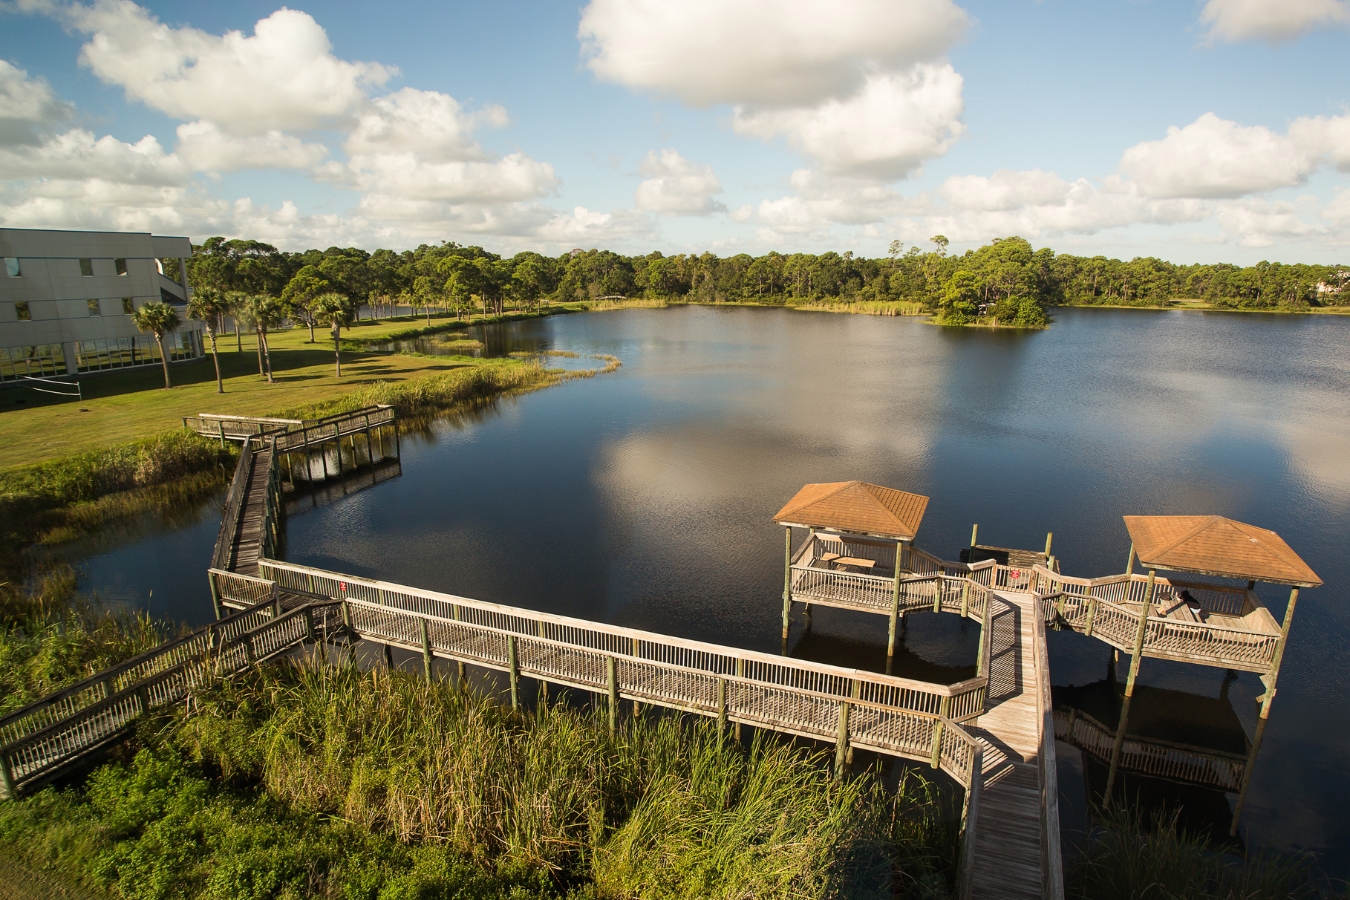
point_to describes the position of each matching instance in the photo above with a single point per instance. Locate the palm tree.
(263, 312)
(334, 310)
(210, 305)
(158, 319)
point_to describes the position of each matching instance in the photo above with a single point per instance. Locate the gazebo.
(1181, 620)
(859, 539)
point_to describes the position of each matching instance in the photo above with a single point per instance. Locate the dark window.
(94, 308)
(86, 267)
(121, 266)
(128, 306)
(21, 310)
(12, 266)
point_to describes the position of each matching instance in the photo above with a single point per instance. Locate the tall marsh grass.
(662, 809)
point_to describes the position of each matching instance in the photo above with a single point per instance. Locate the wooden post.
(895, 607)
(309, 624)
(841, 740)
(965, 598)
(215, 594)
(1137, 656)
(1129, 563)
(721, 707)
(974, 535)
(222, 433)
(426, 649)
(1091, 615)
(937, 594)
(740, 673)
(787, 583)
(612, 673)
(513, 665)
(1266, 700)
(7, 778)
(388, 656)
(1116, 750)
(1049, 538)
(944, 707)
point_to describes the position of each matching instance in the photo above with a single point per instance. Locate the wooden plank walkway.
(1008, 839)
(251, 529)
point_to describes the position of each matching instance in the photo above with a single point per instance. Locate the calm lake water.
(645, 497)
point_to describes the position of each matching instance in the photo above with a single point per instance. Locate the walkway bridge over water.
(993, 734)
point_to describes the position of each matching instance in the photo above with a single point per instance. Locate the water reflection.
(645, 497)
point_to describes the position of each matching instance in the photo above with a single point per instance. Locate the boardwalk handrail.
(1052, 863)
(41, 739)
(234, 504)
(1083, 605)
(767, 669)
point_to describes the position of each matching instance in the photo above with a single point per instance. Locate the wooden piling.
(426, 649)
(612, 673)
(787, 583)
(841, 741)
(513, 663)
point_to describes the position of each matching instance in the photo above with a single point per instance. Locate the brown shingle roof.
(857, 507)
(1213, 545)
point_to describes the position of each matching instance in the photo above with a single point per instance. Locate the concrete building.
(66, 299)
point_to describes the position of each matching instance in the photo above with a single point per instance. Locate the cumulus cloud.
(677, 187)
(412, 148)
(203, 147)
(284, 76)
(1270, 20)
(1214, 157)
(27, 106)
(859, 87)
(885, 131)
(763, 52)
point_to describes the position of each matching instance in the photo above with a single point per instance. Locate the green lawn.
(125, 406)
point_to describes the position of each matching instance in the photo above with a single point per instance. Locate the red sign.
(343, 585)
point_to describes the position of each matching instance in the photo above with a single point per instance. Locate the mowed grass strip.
(124, 406)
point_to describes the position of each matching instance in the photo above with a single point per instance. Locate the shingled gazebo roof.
(1213, 545)
(856, 507)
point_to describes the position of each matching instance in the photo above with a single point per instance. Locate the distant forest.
(1005, 282)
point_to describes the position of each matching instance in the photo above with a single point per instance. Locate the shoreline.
(1195, 307)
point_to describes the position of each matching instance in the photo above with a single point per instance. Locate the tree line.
(1005, 282)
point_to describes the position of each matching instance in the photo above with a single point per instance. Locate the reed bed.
(663, 808)
(1129, 857)
(866, 307)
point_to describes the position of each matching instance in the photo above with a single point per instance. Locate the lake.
(645, 498)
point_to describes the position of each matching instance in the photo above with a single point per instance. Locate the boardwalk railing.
(236, 428)
(895, 716)
(1181, 763)
(1245, 637)
(234, 504)
(41, 740)
(319, 431)
(236, 514)
(1052, 863)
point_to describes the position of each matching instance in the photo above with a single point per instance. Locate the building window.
(86, 267)
(94, 308)
(12, 266)
(128, 305)
(21, 310)
(121, 266)
(46, 359)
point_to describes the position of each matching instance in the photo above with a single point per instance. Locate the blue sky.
(1207, 131)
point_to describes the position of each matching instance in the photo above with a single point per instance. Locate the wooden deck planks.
(1008, 831)
(248, 540)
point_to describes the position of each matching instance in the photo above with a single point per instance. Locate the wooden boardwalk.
(255, 529)
(1010, 842)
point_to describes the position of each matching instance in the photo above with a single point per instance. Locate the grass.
(866, 307)
(297, 780)
(129, 406)
(1131, 859)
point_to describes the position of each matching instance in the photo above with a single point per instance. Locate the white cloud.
(859, 87)
(884, 131)
(1214, 157)
(1270, 20)
(677, 187)
(27, 106)
(764, 52)
(282, 77)
(413, 148)
(203, 147)
(1005, 190)
(1324, 137)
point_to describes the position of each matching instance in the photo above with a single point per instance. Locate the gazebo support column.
(1129, 562)
(1264, 714)
(895, 608)
(1136, 657)
(787, 582)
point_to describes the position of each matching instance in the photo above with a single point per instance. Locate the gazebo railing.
(1090, 605)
